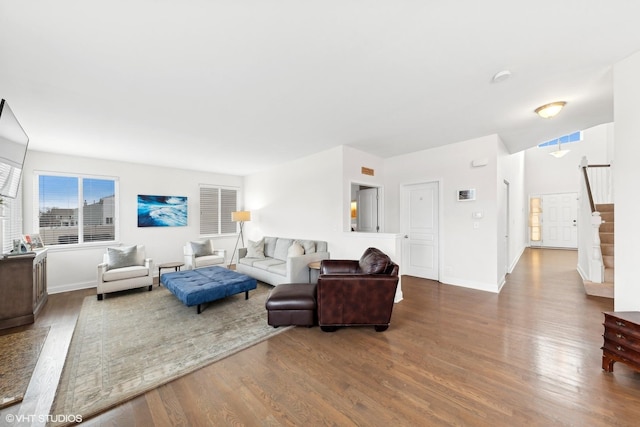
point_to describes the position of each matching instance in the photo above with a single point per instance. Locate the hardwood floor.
(452, 356)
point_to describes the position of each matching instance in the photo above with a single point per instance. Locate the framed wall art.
(162, 211)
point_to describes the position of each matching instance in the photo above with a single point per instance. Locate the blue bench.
(203, 285)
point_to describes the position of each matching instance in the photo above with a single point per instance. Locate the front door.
(559, 220)
(420, 219)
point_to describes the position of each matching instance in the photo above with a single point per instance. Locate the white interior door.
(367, 213)
(559, 220)
(420, 219)
(503, 230)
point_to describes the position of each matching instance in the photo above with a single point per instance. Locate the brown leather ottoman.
(292, 304)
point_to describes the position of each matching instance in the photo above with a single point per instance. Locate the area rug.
(19, 354)
(131, 343)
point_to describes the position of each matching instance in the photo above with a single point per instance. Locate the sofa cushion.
(255, 249)
(270, 246)
(203, 261)
(203, 248)
(266, 263)
(248, 261)
(282, 249)
(124, 256)
(295, 249)
(308, 245)
(280, 269)
(374, 261)
(125, 273)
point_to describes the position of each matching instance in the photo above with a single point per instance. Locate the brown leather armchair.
(357, 292)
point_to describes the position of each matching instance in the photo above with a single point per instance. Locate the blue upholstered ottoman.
(196, 287)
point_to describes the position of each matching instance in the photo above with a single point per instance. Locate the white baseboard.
(68, 288)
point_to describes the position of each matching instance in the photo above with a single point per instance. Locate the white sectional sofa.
(283, 260)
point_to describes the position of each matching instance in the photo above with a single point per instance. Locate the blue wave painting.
(162, 211)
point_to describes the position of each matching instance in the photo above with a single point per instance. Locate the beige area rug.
(19, 354)
(131, 343)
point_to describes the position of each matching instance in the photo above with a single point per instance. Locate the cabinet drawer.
(621, 338)
(626, 322)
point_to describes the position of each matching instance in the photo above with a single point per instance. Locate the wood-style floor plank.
(452, 356)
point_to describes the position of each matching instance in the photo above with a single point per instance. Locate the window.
(76, 209)
(216, 205)
(565, 139)
(12, 211)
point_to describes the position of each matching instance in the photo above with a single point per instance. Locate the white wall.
(309, 198)
(468, 255)
(75, 267)
(544, 174)
(626, 175)
(511, 168)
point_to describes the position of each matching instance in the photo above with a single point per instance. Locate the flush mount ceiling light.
(501, 76)
(548, 111)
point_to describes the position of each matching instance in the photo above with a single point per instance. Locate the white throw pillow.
(202, 248)
(295, 249)
(255, 249)
(123, 256)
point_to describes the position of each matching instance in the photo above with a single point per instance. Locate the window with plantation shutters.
(11, 211)
(216, 205)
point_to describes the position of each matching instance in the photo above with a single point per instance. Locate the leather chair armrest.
(339, 266)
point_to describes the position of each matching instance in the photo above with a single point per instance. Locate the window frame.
(80, 224)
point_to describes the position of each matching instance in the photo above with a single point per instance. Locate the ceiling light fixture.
(501, 76)
(548, 111)
(559, 152)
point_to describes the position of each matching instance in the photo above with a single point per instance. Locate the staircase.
(604, 289)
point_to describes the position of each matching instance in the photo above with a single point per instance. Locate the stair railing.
(596, 181)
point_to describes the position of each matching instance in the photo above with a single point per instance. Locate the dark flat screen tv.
(13, 149)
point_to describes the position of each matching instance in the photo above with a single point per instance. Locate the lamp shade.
(241, 216)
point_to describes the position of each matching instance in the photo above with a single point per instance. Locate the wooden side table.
(175, 265)
(313, 266)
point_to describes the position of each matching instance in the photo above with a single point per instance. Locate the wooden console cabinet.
(621, 339)
(23, 288)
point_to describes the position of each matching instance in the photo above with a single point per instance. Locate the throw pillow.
(282, 249)
(295, 250)
(202, 248)
(255, 249)
(374, 261)
(308, 245)
(125, 256)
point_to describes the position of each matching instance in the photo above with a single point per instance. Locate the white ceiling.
(239, 86)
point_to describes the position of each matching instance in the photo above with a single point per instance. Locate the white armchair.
(124, 267)
(201, 253)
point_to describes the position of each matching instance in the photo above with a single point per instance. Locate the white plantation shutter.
(12, 222)
(216, 205)
(228, 204)
(209, 210)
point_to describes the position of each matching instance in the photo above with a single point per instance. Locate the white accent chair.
(122, 268)
(201, 253)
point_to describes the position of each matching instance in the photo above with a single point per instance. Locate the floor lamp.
(241, 217)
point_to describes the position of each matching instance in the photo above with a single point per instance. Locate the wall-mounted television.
(13, 149)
